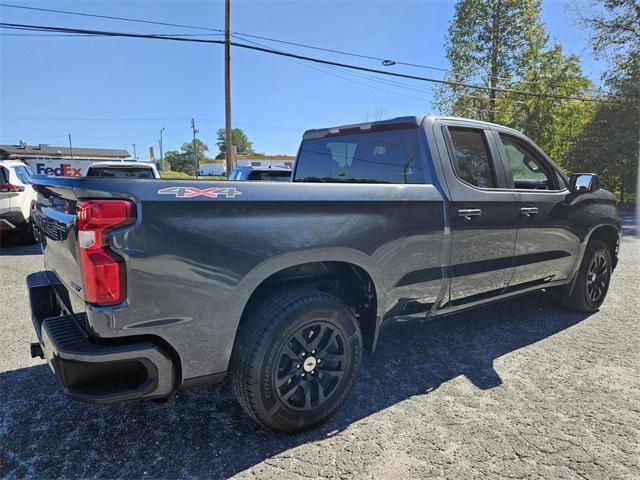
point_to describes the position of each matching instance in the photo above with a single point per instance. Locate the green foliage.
(609, 144)
(553, 124)
(502, 44)
(239, 139)
(487, 45)
(618, 25)
(185, 160)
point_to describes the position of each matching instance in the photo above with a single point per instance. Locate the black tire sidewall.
(275, 413)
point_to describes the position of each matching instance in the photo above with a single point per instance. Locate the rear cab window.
(386, 156)
(115, 172)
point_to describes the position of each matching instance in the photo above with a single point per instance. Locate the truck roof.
(122, 164)
(397, 122)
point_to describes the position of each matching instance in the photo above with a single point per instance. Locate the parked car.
(268, 174)
(152, 287)
(123, 170)
(17, 200)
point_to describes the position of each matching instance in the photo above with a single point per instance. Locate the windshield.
(120, 172)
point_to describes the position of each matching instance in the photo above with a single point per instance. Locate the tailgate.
(56, 213)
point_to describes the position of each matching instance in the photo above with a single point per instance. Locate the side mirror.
(583, 182)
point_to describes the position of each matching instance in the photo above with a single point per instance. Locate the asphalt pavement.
(521, 389)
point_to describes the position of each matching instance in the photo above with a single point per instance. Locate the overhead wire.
(304, 57)
(385, 61)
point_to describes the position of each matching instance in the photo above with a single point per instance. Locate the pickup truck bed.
(209, 275)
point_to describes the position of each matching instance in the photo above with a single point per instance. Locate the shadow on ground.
(204, 433)
(10, 244)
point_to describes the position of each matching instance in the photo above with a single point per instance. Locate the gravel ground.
(520, 389)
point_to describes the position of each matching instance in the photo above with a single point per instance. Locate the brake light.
(10, 187)
(103, 273)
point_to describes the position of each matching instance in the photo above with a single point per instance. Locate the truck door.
(482, 213)
(546, 247)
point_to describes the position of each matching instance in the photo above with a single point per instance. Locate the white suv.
(17, 200)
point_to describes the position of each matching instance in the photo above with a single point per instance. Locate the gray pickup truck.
(152, 286)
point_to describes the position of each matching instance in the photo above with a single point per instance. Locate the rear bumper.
(88, 370)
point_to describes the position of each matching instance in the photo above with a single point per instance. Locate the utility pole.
(70, 147)
(135, 156)
(227, 87)
(195, 152)
(161, 152)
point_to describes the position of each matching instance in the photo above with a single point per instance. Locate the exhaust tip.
(36, 350)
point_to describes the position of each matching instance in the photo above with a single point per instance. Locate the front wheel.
(593, 279)
(296, 359)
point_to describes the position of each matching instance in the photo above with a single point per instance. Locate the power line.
(342, 52)
(303, 57)
(324, 69)
(110, 17)
(384, 61)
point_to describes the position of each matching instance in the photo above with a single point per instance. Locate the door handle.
(469, 212)
(529, 211)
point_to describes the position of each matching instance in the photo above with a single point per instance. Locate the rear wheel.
(593, 279)
(296, 359)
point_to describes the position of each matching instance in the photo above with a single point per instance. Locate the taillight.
(103, 273)
(10, 187)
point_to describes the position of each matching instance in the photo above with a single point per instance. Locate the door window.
(471, 157)
(528, 171)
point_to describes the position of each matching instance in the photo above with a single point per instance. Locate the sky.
(116, 92)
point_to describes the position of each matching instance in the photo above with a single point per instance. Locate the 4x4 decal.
(191, 192)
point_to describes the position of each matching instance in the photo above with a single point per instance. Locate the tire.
(278, 372)
(28, 236)
(590, 291)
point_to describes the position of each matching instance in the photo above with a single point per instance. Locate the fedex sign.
(60, 168)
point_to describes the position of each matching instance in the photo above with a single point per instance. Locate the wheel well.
(608, 235)
(349, 282)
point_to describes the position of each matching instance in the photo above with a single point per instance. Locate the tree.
(240, 142)
(618, 25)
(200, 149)
(176, 160)
(554, 124)
(185, 160)
(487, 44)
(609, 145)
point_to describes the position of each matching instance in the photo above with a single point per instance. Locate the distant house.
(60, 161)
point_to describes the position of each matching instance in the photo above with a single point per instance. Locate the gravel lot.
(520, 389)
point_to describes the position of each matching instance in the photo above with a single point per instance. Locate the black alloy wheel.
(311, 365)
(597, 277)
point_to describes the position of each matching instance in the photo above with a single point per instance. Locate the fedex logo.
(64, 170)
